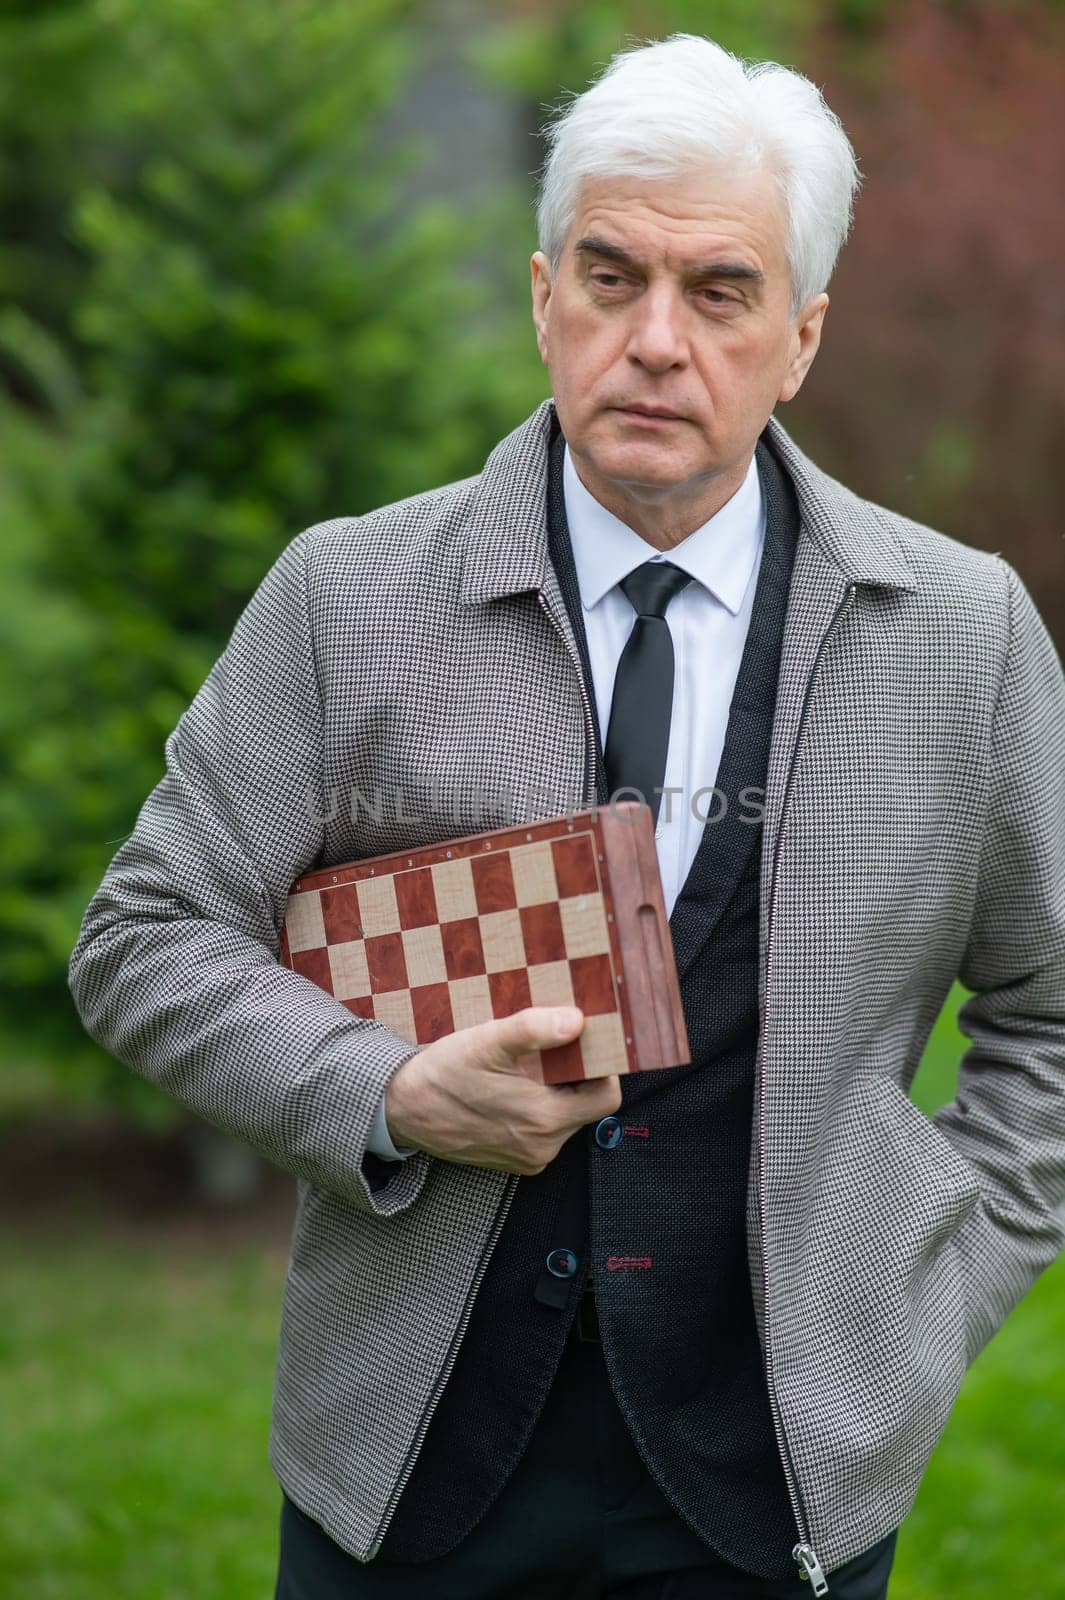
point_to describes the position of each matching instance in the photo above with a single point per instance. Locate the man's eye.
(718, 296)
(607, 279)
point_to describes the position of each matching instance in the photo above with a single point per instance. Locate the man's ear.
(540, 268)
(806, 339)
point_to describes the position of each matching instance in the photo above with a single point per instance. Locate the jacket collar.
(506, 540)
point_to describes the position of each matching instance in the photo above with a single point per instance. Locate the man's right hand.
(471, 1096)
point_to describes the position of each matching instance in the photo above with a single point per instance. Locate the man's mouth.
(651, 413)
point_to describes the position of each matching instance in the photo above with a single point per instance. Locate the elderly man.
(695, 1332)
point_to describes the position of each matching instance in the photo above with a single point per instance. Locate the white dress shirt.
(708, 621)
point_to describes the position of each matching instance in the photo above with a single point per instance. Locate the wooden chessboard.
(565, 910)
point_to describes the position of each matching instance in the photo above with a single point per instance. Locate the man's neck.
(663, 518)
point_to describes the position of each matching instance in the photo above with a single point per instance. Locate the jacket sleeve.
(1008, 1118)
(175, 969)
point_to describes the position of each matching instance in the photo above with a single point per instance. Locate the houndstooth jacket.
(411, 675)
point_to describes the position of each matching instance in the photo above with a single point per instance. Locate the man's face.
(671, 296)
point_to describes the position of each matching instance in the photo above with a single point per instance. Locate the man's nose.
(658, 338)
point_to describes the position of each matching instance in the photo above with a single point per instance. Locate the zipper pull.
(811, 1567)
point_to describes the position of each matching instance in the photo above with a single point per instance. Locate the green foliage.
(570, 48)
(255, 333)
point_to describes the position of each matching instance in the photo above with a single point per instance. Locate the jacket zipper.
(501, 1215)
(803, 1553)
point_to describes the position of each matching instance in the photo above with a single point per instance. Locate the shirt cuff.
(380, 1143)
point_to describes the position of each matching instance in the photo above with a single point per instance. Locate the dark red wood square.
(314, 964)
(340, 913)
(575, 864)
(360, 1006)
(416, 898)
(463, 950)
(563, 1063)
(386, 962)
(541, 928)
(433, 1018)
(510, 991)
(593, 985)
(493, 881)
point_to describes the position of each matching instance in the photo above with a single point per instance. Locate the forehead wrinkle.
(723, 267)
(739, 219)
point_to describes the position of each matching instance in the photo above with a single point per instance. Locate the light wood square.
(424, 952)
(603, 1045)
(378, 911)
(350, 973)
(504, 947)
(550, 984)
(395, 1010)
(453, 886)
(306, 929)
(534, 873)
(584, 925)
(471, 1001)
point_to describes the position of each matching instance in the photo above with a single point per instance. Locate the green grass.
(135, 1378)
(135, 1387)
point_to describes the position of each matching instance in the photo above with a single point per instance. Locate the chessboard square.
(377, 905)
(493, 881)
(340, 913)
(396, 1012)
(360, 1006)
(313, 964)
(424, 951)
(563, 1063)
(347, 962)
(551, 985)
(386, 963)
(510, 991)
(541, 931)
(604, 1048)
(471, 1001)
(502, 941)
(431, 1004)
(415, 899)
(584, 926)
(463, 951)
(303, 919)
(453, 888)
(533, 866)
(575, 870)
(593, 984)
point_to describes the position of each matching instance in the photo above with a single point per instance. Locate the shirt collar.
(720, 554)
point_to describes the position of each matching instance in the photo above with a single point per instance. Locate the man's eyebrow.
(592, 245)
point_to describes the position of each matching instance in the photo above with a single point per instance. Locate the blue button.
(608, 1132)
(563, 1263)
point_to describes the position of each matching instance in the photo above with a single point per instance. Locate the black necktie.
(637, 739)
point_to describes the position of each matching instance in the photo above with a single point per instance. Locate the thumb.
(508, 1039)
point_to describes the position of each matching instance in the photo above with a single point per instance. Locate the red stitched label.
(641, 1133)
(616, 1263)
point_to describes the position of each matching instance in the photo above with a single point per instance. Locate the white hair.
(665, 108)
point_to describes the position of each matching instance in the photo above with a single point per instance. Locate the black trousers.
(580, 1518)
